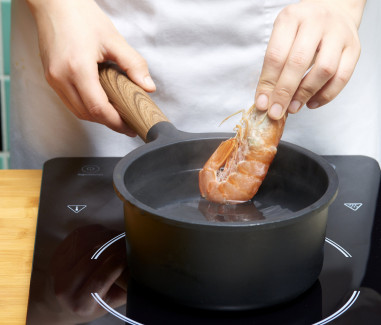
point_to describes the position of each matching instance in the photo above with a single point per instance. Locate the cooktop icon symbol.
(90, 169)
(76, 208)
(353, 206)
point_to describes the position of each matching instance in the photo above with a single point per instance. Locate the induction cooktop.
(80, 274)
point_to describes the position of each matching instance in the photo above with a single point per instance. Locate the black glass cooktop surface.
(80, 274)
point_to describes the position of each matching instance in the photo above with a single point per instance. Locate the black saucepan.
(228, 257)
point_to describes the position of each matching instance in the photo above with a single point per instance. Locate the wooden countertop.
(19, 198)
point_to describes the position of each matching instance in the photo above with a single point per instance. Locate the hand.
(74, 36)
(317, 34)
(75, 275)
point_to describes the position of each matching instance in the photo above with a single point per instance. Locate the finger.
(102, 114)
(68, 281)
(77, 269)
(96, 102)
(132, 62)
(326, 64)
(336, 84)
(104, 275)
(299, 60)
(279, 46)
(70, 97)
(116, 296)
(62, 85)
(102, 280)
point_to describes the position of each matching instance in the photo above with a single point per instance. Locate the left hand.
(74, 36)
(75, 275)
(317, 34)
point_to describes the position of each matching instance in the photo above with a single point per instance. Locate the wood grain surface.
(134, 105)
(19, 198)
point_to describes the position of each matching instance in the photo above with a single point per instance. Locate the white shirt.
(205, 58)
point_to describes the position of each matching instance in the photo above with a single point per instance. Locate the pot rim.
(322, 203)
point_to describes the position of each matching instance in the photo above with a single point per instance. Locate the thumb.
(132, 63)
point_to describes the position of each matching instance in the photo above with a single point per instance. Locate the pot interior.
(165, 180)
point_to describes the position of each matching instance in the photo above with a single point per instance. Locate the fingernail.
(294, 106)
(313, 105)
(149, 82)
(276, 111)
(262, 101)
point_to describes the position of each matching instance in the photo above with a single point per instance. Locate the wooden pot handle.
(132, 103)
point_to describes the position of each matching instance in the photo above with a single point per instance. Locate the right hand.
(321, 34)
(74, 36)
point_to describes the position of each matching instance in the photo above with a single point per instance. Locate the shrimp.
(236, 170)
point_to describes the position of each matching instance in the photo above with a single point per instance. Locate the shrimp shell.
(236, 170)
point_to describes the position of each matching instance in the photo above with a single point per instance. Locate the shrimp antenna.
(231, 115)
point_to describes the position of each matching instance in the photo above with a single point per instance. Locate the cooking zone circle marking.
(342, 310)
(104, 246)
(338, 247)
(112, 311)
